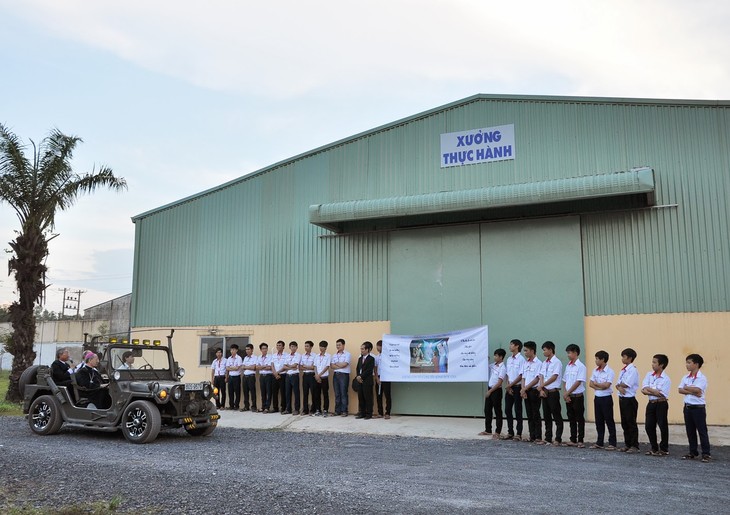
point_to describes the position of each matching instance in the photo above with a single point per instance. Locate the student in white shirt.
(233, 367)
(656, 386)
(307, 367)
(382, 388)
(278, 383)
(249, 379)
(574, 381)
(218, 378)
(291, 367)
(512, 399)
(693, 386)
(602, 382)
(550, 380)
(263, 367)
(322, 381)
(627, 386)
(341, 381)
(493, 397)
(530, 392)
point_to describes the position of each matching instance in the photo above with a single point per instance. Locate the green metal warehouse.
(596, 221)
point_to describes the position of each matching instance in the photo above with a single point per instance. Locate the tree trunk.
(30, 249)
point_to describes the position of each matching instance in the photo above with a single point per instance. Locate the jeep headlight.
(180, 373)
(177, 393)
(206, 391)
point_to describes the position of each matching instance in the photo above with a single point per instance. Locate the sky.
(178, 97)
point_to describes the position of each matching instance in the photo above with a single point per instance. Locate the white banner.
(478, 146)
(459, 356)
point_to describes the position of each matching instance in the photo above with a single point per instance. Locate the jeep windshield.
(140, 358)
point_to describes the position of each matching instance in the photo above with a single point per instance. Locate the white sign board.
(478, 146)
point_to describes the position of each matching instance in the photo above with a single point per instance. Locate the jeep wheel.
(44, 416)
(29, 376)
(141, 422)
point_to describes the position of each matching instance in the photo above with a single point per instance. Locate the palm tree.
(36, 189)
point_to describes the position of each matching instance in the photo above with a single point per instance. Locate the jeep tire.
(29, 376)
(141, 422)
(44, 415)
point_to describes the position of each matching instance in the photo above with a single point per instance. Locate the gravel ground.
(244, 471)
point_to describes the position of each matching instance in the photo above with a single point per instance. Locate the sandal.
(706, 458)
(596, 446)
(581, 445)
(652, 453)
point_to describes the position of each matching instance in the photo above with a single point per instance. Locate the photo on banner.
(458, 356)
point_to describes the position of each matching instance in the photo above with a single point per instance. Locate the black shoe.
(359, 416)
(368, 418)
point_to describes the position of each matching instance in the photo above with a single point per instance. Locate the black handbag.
(356, 385)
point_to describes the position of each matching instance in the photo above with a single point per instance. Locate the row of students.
(292, 380)
(525, 378)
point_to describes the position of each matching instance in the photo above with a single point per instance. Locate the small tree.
(37, 189)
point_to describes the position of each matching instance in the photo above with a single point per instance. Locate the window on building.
(208, 345)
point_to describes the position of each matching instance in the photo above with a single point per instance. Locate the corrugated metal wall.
(245, 253)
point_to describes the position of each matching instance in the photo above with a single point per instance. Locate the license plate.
(193, 387)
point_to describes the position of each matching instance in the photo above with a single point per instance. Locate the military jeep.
(141, 398)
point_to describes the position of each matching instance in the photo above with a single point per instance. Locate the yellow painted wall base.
(673, 334)
(186, 342)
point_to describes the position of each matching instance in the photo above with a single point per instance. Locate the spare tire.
(29, 376)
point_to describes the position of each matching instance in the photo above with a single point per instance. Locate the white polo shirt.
(604, 375)
(496, 372)
(377, 362)
(278, 361)
(219, 367)
(234, 362)
(530, 371)
(307, 360)
(629, 376)
(696, 381)
(265, 361)
(575, 372)
(659, 382)
(322, 364)
(249, 361)
(515, 365)
(550, 367)
(341, 357)
(293, 358)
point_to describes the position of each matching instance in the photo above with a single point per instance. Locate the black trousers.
(552, 412)
(234, 391)
(493, 402)
(515, 401)
(576, 418)
(249, 391)
(603, 407)
(220, 383)
(532, 403)
(278, 392)
(629, 408)
(307, 391)
(656, 415)
(321, 401)
(266, 381)
(383, 391)
(365, 398)
(695, 421)
(292, 391)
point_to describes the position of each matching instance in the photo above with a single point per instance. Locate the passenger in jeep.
(89, 378)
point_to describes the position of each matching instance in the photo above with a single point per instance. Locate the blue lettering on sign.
(468, 140)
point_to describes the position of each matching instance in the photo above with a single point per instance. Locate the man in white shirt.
(530, 392)
(278, 388)
(322, 381)
(493, 397)
(602, 382)
(307, 367)
(249, 379)
(656, 386)
(340, 364)
(263, 366)
(693, 386)
(233, 366)
(291, 367)
(574, 381)
(218, 378)
(550, 379)
(627, 386)
(382, 388)
(515, 364)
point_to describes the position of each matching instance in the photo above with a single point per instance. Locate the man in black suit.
(365, 368)
(89, 378)
(60, 368)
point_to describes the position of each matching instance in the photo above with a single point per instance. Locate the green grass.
(7, 408)
(95, 508)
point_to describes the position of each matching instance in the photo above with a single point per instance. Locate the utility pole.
(71, 300)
